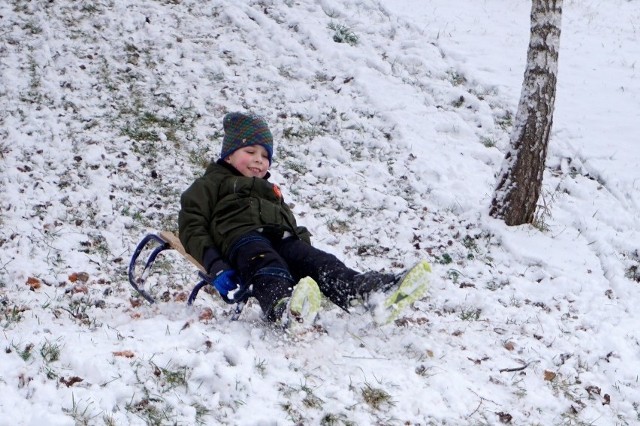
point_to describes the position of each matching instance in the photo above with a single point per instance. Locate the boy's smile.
(251, 161)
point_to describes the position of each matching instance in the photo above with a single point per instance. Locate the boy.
(236, 224)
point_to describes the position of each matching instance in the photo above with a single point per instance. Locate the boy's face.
(251, 161)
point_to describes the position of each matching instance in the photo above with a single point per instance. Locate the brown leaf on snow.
(504, 417)
(509, 346)
(135, 302)
(591, 390)
(70, 381)
(125, 354)
(206, 315)
(79, 288)
(479, 360)
(79, 276)
(34, 283)
(549, 375)
(607, 399)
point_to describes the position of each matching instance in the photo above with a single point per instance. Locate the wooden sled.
(166, 240)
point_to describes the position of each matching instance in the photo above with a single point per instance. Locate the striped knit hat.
(242, 130)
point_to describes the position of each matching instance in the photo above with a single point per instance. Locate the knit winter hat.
(242, 130)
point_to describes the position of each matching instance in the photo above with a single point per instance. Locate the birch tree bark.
(520, 180)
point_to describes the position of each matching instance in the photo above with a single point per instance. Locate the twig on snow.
(511, 370)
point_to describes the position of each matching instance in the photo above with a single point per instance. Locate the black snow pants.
(273, 265)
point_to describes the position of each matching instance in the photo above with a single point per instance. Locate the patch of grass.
(633, 273)
(81, 414)
(171, 378)
(4, 150)
(310, 400)
(343, 34)
(494, 285)
(200, 158)
(488, 142)
(10, 315)
(26, 352)
(338, 226)
(151, 127)
(149, 411)
(458, 102)
(335, 419)
(108, 420)
(33, 27)
(453, 275)
(201, 412)
(505, 121)
(371, 250)
(308, 132)
(291, 406)
(543, 213)
(470, 314)
(78, 311)
(50, 373)
(50, 352)
(294, 414)
(296, 166)
(424, 371)
(445, 259)
(376, 398)
(456, 79)
(261, 366)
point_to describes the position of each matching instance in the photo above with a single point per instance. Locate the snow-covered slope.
(389, 130)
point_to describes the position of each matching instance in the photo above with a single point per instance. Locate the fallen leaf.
(70, 381)
(206, 315)
(79, 276)
(135, 302)
(80, 288)
(549, 375)
(505, 417)
(591, 390)
(126, 354)
(34, 283)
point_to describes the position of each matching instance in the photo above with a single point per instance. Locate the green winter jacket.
(221, 206)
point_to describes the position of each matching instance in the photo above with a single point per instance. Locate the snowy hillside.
(390, 122)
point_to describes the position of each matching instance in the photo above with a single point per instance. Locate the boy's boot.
(370, 282)
(301, 308)
(272, 289)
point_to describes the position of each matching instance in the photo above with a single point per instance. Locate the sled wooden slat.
(175, 244)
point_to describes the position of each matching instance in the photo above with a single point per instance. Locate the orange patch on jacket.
(276, 190)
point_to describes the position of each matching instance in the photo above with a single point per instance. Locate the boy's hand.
(223, 277)
(226, 281)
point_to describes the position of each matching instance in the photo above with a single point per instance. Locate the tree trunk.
(520, 180)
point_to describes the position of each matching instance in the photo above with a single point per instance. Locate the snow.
(388, 151)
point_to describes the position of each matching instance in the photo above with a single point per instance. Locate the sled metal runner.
(168, 241)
